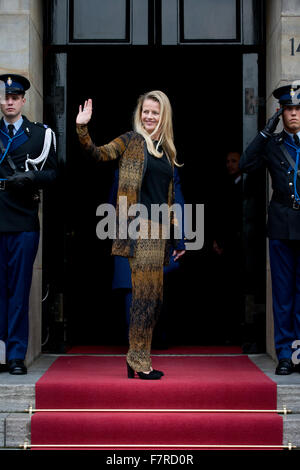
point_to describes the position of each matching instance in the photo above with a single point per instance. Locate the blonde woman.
(147, 159)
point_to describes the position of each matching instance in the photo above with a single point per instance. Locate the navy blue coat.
(18, 209)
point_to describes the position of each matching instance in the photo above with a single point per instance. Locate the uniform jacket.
(122, 273)
(283, 219)
(19, 208)
(131, 150)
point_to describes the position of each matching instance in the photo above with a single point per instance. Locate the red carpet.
(88, 382)
(214, 350)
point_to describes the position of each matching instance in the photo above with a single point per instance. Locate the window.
(209, 21)
(100, 21)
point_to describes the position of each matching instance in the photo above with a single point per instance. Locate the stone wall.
(21, 51)
(282, 67)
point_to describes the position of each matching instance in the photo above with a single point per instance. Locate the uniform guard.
(280, 154)
(27, 164)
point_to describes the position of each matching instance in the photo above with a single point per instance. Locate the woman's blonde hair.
(164, 127)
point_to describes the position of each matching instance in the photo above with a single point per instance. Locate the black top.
(19, 208)
(155, 186)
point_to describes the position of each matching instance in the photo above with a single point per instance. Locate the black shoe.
(284, 367)
(17, 367)
(153, 375)
(158, 372)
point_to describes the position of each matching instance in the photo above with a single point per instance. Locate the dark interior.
(205, 89)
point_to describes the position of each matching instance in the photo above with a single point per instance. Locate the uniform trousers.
(285, 273)
(147, 299)
(17, 254)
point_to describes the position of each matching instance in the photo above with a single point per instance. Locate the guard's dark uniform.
(280, 154)
(19, 226)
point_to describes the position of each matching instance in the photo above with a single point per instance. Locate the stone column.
(282, 67)
(21, 52)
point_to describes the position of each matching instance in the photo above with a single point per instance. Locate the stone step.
(18, 393)
(3, 417)
(19, 397)
(289, 396)
(17, 430)
(291, 429)
(16, 397)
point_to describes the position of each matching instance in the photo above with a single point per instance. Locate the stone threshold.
(18, 392)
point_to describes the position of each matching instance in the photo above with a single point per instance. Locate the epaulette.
(41, 125)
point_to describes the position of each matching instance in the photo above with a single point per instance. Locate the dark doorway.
(205, 88)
